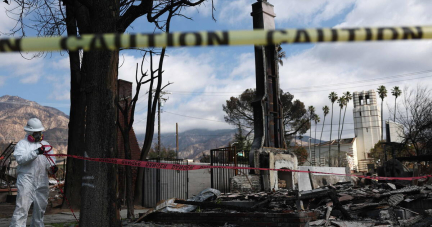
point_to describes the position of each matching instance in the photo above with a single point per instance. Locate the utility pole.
(161, 98)
(177, 143)
(159, 130)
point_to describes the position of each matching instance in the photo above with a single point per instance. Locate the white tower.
(367, 126)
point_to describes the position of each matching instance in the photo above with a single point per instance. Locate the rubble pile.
(342, 204)
(378, 204)
(55, 196)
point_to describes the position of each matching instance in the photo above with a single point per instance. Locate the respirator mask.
(35, 137)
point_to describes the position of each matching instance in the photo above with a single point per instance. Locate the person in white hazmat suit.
(32, 181)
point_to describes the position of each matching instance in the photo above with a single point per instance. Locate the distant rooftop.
(334, 142)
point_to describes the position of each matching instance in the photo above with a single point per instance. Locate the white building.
(348, 147)
(396, 131)
(367, 126)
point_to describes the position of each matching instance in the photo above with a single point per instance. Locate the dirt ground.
(7, 209)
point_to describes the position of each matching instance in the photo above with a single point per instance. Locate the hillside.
(14, 113)
(195, 141)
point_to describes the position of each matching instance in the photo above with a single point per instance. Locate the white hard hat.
(34, 125)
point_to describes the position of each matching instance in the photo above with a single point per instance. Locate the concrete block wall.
(321, 179)
(198, 180)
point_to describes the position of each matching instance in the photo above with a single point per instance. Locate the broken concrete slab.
(392, 186)
(318, 179)
(317, 223)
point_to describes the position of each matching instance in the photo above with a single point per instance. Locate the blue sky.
(205, 77)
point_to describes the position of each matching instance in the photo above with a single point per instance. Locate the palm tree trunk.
(343, 121)
(382, 120)
(394, 118)
(319, 148)
(316, 124)
(331, 128)
(382, 128)
(310, 140)
(338, 157)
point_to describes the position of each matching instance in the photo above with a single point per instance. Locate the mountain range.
(194, 142)
(15, 111)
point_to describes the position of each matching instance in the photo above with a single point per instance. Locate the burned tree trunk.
(76, 121)
(99, 191)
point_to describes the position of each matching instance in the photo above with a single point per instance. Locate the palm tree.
(396, 92)
(280, 55)
(382, 92)
(326, 111)
(342, 103)
(333, 97)
(311, 111)
(348, 98)
(316, 119)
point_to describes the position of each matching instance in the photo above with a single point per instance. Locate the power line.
(331, 85)
(367, 85)
(193, 117)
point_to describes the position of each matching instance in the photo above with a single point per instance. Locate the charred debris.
(344, 204)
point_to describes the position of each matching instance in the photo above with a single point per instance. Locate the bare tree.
(415, 115)
(93, 88)
(126, 105)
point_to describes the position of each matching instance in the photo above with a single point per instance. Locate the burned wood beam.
(353, 223)
(260, 204)
(221, 206)
(338, 205)
(362, 206)
(310, 178)
(411, 221)
(316, 193)
(406, 190)
(426, 222)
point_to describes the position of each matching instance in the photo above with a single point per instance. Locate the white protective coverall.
(32, 183)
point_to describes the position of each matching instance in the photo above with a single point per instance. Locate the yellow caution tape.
(214, 38)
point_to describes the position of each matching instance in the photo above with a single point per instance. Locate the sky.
(205, 77)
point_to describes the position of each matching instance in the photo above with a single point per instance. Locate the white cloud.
(63, 63)
(6, 23)
(389, 12)
(205, 9)
(199, 90)
(306, 12)
(29, 71)
(246, 68)
(60, 86)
